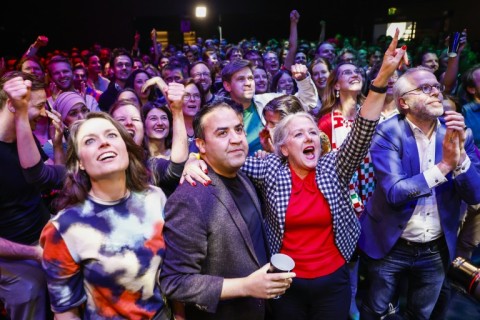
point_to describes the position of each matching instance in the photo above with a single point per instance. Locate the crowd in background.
(152, 100)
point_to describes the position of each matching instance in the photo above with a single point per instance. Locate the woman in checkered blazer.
(308, 212)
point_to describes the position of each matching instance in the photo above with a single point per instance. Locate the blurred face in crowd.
(79, 77)
(129, 117)
(272, 118)
(375, 58)
(261, 80)
(301, 58)
(36, 107)
(32, 67)
(77, 112)
(285, 84)
(348, 57)
(130, 96)
(163, 62)
(326, 51)
(271, 63)
(236, 55)
(241, 86)
(157, 125)
(430, 60)
(191, 101)
(320, 75)
(391, 81)
(94, 66)
(122, 68)
(137, 64)
(61, 74)
(212, 59)
(202, 75)
(138, 83)
(174, 75)
(255, 58)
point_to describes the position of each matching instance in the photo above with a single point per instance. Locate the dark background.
(113, 23)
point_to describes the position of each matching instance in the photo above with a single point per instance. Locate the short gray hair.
(281, 132)
(404, 82)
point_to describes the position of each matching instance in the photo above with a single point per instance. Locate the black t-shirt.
(23, 214)
(250, 215)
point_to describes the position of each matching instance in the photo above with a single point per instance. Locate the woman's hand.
(57, 134)
(392, 59)
(195, 170)
(162, 85)
(266, 139)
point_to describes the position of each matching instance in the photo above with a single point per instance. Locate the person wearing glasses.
(192, 102)
(425, 165)
(308, 212)
(200, 73)
(341, 102)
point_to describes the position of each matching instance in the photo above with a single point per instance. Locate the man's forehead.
(243, 72)
(222, 117)
(38, 97)
(122, 58)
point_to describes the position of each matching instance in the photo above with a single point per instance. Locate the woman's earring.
(337, 93)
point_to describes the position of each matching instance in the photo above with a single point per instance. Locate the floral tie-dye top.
(107, 255)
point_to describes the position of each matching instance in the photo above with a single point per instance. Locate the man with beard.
(23, 213)
(201, 74)
(61, 80)
(122, 64)
(425, 165)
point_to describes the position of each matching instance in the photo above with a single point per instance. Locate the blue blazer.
(400, 183)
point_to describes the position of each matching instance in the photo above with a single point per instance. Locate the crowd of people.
(158, 185)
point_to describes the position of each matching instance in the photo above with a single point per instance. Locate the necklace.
(108, 202)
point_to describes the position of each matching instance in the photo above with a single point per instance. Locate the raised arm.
(40, 42)
(19, 94)
(153, 36)
(135, 47)
(391, 60)
(307, 92)
(174, 94)
(451, 73)
(292, 40)
(321, 37)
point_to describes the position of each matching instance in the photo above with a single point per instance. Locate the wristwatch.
(377, 89)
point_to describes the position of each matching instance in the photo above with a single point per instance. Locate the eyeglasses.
(349, 72)
(427, 88)
(271, 58)
(188, 96)
(200, 74)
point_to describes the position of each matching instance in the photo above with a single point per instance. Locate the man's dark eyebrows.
(240, 125)
(221, 129)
